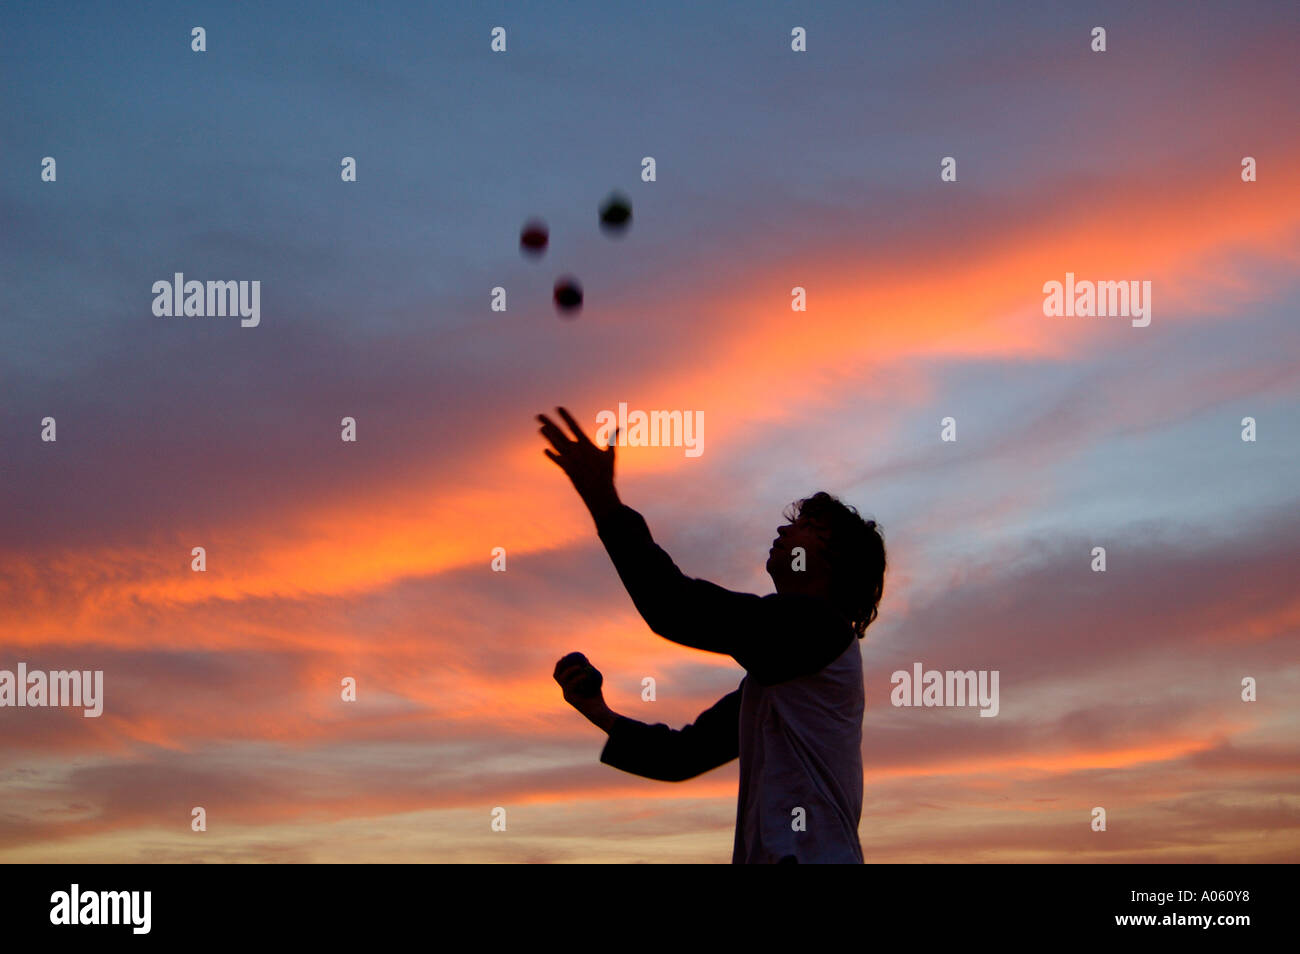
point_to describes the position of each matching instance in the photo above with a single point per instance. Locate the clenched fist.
(581, 683)
(580, 680)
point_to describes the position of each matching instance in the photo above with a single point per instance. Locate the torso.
(801, 748)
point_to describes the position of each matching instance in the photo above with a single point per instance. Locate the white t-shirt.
(801, 748)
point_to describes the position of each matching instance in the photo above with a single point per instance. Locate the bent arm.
(674, 755)
(776, 637)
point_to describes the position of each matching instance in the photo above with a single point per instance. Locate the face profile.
(781, 560)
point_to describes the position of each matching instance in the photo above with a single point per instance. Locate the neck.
(805, 587)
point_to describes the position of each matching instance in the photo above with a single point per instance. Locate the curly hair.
(855, 552)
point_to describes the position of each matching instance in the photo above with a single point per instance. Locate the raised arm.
(776, 637)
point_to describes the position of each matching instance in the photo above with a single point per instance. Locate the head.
(843, 557)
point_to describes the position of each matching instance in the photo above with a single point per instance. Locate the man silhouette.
(795, 721)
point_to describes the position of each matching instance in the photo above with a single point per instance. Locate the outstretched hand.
(590, 468)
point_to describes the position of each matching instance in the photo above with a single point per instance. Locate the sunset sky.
(775, 169)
